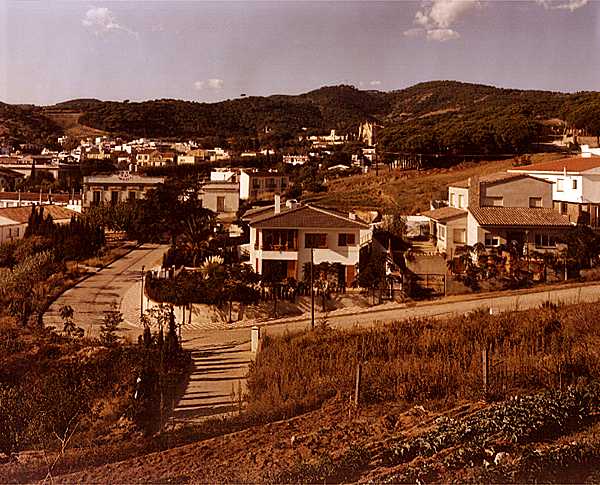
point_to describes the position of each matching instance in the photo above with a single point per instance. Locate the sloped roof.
(307, 216)
(573, 165)
(35, 196)
(444, 213)
(21, 214)
(519, 217)
(493, 178)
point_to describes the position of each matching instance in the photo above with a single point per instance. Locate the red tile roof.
(307, 216)
(575, 164)
(444, 213)
(21, 214)
(519, 217)
(35, 196)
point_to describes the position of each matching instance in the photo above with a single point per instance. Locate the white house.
(112, 189)
(261, 184)
(281, 239)
(495, 210)
(223, 198)
(575, 186)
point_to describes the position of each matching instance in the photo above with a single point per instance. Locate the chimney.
(474, 192)
(277, 204)
(352, 216)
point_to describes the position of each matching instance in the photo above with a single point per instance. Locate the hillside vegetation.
(433, 117)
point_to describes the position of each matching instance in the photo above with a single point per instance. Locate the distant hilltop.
(433, 116)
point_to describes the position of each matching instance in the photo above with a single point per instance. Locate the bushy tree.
(110, 326)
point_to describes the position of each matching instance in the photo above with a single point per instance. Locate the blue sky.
(207, 51)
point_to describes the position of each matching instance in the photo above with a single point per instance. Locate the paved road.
(104, 290)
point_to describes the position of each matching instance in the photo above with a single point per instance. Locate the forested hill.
(435, 116)
(26, 124)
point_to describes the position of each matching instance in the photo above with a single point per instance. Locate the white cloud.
(442, 35)
(375, 83)
(215, 84)
(436, 18)
(570, 5)
(102, 20)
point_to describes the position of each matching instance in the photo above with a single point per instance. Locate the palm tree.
(197, 234)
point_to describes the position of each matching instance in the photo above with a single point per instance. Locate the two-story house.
(496, 210)
(260, 184)
(112, 189)
(575, 186)
(282, 239)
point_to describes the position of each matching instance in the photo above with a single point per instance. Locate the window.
(220, 203)
(315, 240)
(16, 232)
(574, 184)
(494, 201)
(559, 185)
(283, 182)
(452, 203)
(114, 197)
(97, 197)
(271, 183)
(256, 183)
(544, 241)
(563, 207)
(441, 231)
(346, 240)
(460, 201)
(460, 236)
(535, 202)
(491, 241)
(132, 195)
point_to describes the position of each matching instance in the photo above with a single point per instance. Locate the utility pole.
(142, 295)
(312, 289)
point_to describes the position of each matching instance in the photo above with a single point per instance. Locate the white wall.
(453, 193)
(244, 186)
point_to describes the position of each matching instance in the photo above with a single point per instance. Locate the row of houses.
(532, 206)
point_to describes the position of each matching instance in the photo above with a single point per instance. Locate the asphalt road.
(104, 290)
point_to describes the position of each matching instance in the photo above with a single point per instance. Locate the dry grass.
(425, 361)
(410, 191)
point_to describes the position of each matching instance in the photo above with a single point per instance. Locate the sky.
(51, 50)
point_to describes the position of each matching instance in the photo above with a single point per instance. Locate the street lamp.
(312, 289)
(142, 295)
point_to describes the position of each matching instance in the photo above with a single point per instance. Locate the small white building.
(261, 184)
(223, 198)
(14, 220)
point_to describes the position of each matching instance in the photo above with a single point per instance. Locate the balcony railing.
(279, 247)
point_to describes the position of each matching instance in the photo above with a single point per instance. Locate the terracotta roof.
(444, 213)
(21, 214)
(307, 216)
(519, 217)
(576, 164)
(492, 179)
(35, 196)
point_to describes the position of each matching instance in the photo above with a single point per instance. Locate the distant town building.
(112, 189)
(295, 159)
(260, 184)
(223, 198)
(14, 220)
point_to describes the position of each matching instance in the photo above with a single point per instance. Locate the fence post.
(486, 369)
(357, 384)
(255, 339)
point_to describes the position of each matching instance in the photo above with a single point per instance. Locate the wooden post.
(445, 285)
(239, 396)
(357, 384)
(486, 369)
